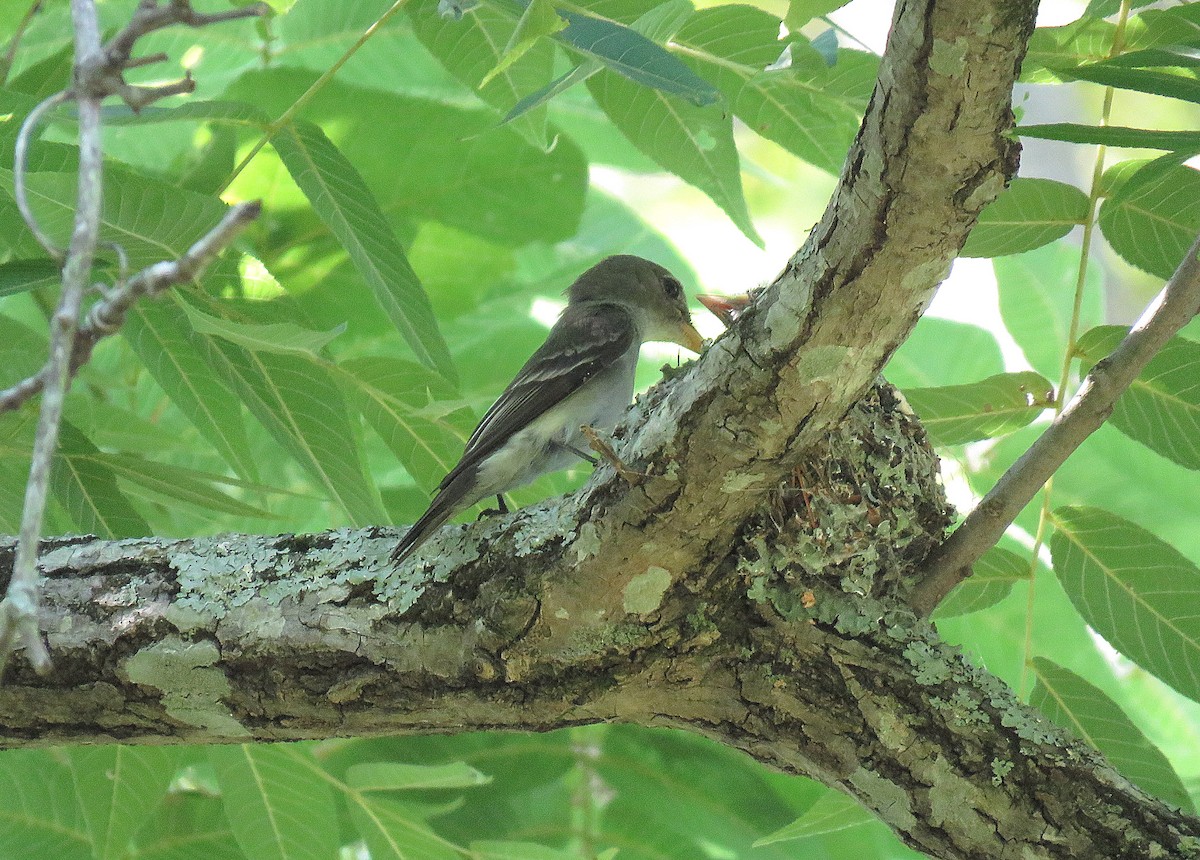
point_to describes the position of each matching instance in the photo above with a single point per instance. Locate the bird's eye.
(672, 288)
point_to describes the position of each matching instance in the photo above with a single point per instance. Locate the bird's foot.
(500, 509)
(601, 447)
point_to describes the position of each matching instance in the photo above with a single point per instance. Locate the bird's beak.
(689, 338)
(725, 308)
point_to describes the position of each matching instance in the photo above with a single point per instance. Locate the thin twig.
(1178, 302)
(108, 315)
(20, 162)
(18, 611)
(10, 54)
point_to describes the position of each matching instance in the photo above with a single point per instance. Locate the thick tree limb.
(282, 638)
(1170, 311)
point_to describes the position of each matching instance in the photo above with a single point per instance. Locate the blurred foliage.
(423, 207)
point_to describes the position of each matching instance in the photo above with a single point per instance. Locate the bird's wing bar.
(585, 341)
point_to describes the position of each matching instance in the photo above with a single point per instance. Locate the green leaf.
(474, 46)
(832, 812)
(695, 143)
(87, 489)
(632, 55)
(499, 850)
(117, 788)
(1084, 709)
(1052, 48)
(1113, 135)
(561, 84)
(285, 338)
(396, 831)
(19, 276)
(40, 816)
(442, 162)
(188, 826)
(1029, 214)
(1037, 301)
(1000, 404)
(1161, 409)
(1183, 56)
(944, 352)
(800, 12)
(278, 807)
(396, 776)
(811, 110)
(149, 219)
(537, 21)
(1139, 80)
(178, 485)
(345, 203)
(162, 338)
(1135, 590)
(996, 572)
(1153, 224)
(393, 395)
(298, 403)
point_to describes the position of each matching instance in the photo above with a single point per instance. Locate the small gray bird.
(581, 375)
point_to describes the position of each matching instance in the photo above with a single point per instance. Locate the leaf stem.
(1064, 378)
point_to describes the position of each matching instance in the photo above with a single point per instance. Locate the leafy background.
(429, 191)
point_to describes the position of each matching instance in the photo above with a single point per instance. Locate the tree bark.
(753, 589)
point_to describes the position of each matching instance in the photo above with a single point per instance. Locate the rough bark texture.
(753, 590)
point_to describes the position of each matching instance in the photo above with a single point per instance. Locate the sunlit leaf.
(1028, 214)
(1154, 224)
(117, 787)
(834, 811)
(1161, 409)
(955, 414)
(161, 338)
(944, 352)
(696, 143)
(397, 776)
(348, 208)
(40, 817)
(784, 91)
(537, 21)
(283, 337)
(1136, 591)
(87, 489)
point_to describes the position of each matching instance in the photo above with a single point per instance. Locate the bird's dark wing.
(584, 341)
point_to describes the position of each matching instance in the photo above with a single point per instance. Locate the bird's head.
(649, 292)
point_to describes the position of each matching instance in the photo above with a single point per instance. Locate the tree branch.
(107, 316)
(1170, 311)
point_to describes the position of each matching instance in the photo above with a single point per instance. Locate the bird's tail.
(429, 522)
(451, 498)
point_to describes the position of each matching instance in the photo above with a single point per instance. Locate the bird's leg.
(631, 476)
(500, 509)
(564, 446)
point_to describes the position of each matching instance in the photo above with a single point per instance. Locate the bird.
(582, 376)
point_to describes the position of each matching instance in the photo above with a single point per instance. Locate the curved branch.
(1170, 311)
